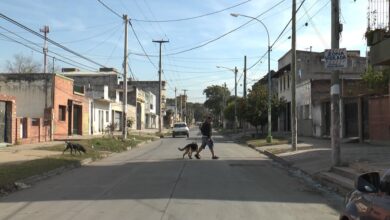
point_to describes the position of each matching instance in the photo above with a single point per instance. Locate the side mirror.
(368, 182)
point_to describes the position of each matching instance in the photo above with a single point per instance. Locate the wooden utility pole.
(335, 87)
(160, 85)
(175, 106)
(293, 81)
(185, 105)
(124, 115)
(244, 77)
(235, 98)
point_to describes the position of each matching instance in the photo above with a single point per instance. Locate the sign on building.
(336, 58)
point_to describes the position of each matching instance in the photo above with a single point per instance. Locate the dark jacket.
(206, 129)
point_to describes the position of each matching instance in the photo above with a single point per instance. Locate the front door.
(77, 119)
(3, 122)
(351, 119)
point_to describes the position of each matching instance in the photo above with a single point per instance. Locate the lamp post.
(269, 135)
(235, 93)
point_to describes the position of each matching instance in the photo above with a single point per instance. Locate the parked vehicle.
(180, 128)
(370, 199)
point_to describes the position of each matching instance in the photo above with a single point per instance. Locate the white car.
(180, 128)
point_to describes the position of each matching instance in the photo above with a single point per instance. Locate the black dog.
(74, 147)
(189, 148)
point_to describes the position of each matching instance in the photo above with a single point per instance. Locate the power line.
(34, 49)
(106, 6)
(36, 44)
(215, 39)
(194, 17)
(142, 47)
(48, 39)
(281, 33)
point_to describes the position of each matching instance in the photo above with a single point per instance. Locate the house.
(153, 87)
(49, 106)
(313, 94)
(150, 110)
(378, 39)
(100, 88)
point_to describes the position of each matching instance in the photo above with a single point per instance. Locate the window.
(107, 117)
(121, 96)
(35, 121)
(62, 113)
(151, 106)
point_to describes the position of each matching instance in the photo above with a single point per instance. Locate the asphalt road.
(154, 182)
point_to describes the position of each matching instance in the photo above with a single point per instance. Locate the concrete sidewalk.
(314, 158)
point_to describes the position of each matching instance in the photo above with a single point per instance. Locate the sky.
(90, 29)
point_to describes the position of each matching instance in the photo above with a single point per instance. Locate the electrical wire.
(213, 40)
(191, 18)
(48, 39)
(34, 49)
(36, 44)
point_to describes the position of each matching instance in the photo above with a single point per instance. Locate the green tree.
(377, 81)
(216, 97)
(241, 109)
(257, 106)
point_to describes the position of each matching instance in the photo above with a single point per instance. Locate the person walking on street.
(206, 138)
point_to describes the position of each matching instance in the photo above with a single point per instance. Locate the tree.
(23, 64)
(257, 112)
(241, 109)
(377, 81)
(257, 106)
(215, 99)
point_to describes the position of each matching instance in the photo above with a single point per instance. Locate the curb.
(273, 157)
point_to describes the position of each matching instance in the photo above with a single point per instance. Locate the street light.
(235, 93)
(269, 136)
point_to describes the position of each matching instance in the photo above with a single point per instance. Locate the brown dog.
(189, 148)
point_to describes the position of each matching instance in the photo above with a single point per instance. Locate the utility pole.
(185, 105)
(181, 107)
(175, 106)
(244, 77)
(160, 85)
(235, 98)
(293, 81)
(53, 65)
(124, 125)
(335, 87)
(45, 30)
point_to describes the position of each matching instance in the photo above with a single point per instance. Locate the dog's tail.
(181, 149)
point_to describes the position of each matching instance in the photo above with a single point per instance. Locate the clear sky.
(90, 29)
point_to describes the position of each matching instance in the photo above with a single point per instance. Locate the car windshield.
(180, 125)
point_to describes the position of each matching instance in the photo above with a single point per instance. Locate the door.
(351, 119)
(3, 122)
(139, 115)
(326, 118)
(77, 119)
(381, 207)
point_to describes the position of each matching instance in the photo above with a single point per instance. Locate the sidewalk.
(360, 156)
(314, 158)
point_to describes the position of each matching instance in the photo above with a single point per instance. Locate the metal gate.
(3, 122)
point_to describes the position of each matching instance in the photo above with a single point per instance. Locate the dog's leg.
(190, 153)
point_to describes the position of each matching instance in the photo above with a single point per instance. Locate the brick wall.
(379, 118)
(35, 130)
(63, 93)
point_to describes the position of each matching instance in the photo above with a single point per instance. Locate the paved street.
(153, 182)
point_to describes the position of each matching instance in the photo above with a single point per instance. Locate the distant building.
(313, 94)
(101, 90)
(49, 106)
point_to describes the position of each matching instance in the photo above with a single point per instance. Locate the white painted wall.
(101, 112)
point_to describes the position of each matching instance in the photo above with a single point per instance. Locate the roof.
(77, 73)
